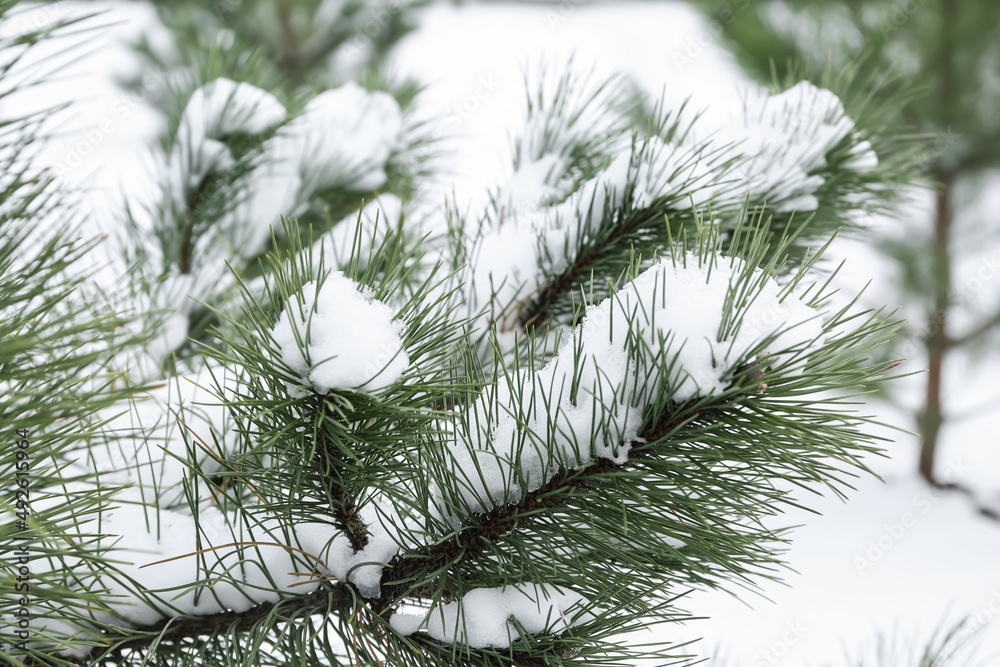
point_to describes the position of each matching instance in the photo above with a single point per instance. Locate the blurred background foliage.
(949, 49)
(291, 48)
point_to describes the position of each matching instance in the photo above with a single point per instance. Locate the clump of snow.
(567, 118)
(387, 534)
(588, 401)
(482, 618)
(505, 269)
(223, 107)
(669, 170)
(215, 111)
(173, 425)
(784, 138)
(187, 558)
(862, 158)
(510, 260)
(532, 187)
(336, 335)
(771, 149)
(343, 139)
(162, 313)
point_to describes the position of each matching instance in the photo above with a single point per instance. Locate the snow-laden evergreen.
(425, 445)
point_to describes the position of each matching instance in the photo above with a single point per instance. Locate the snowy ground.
(897, 557)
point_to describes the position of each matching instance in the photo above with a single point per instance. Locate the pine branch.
(408, 573)
(330, 463)
(537, 308)
(377, 455)
(138, 642)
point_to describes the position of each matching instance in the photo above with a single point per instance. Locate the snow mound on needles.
(336, 335)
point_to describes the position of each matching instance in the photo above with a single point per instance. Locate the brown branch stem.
(342, 506)
(406, 571)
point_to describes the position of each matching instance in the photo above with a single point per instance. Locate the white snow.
(388, 533)
(509, 262)
(335, 335)
(594, 409)
(172, 427)
(163, 314)
(481, 618)
(785, 137)
(223, 107)
(530, 187)
(777, 143)
(342, 139)
(215, 111)
(504, 271)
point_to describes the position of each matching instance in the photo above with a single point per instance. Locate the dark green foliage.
(57, 337)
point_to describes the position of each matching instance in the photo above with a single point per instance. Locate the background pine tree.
(950, 47)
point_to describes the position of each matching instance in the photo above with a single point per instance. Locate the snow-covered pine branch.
(360, 459)
(234, 167)
(561, 225)
(672, 364)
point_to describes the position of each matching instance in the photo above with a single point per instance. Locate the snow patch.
(588, 402)
(482, 617)
(771, 149)
(784, 139)
(335, 335)
(223, 107)
(343, 139)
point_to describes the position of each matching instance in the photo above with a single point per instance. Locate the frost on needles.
(615, 367)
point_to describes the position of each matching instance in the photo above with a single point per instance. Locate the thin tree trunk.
(932, 416)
